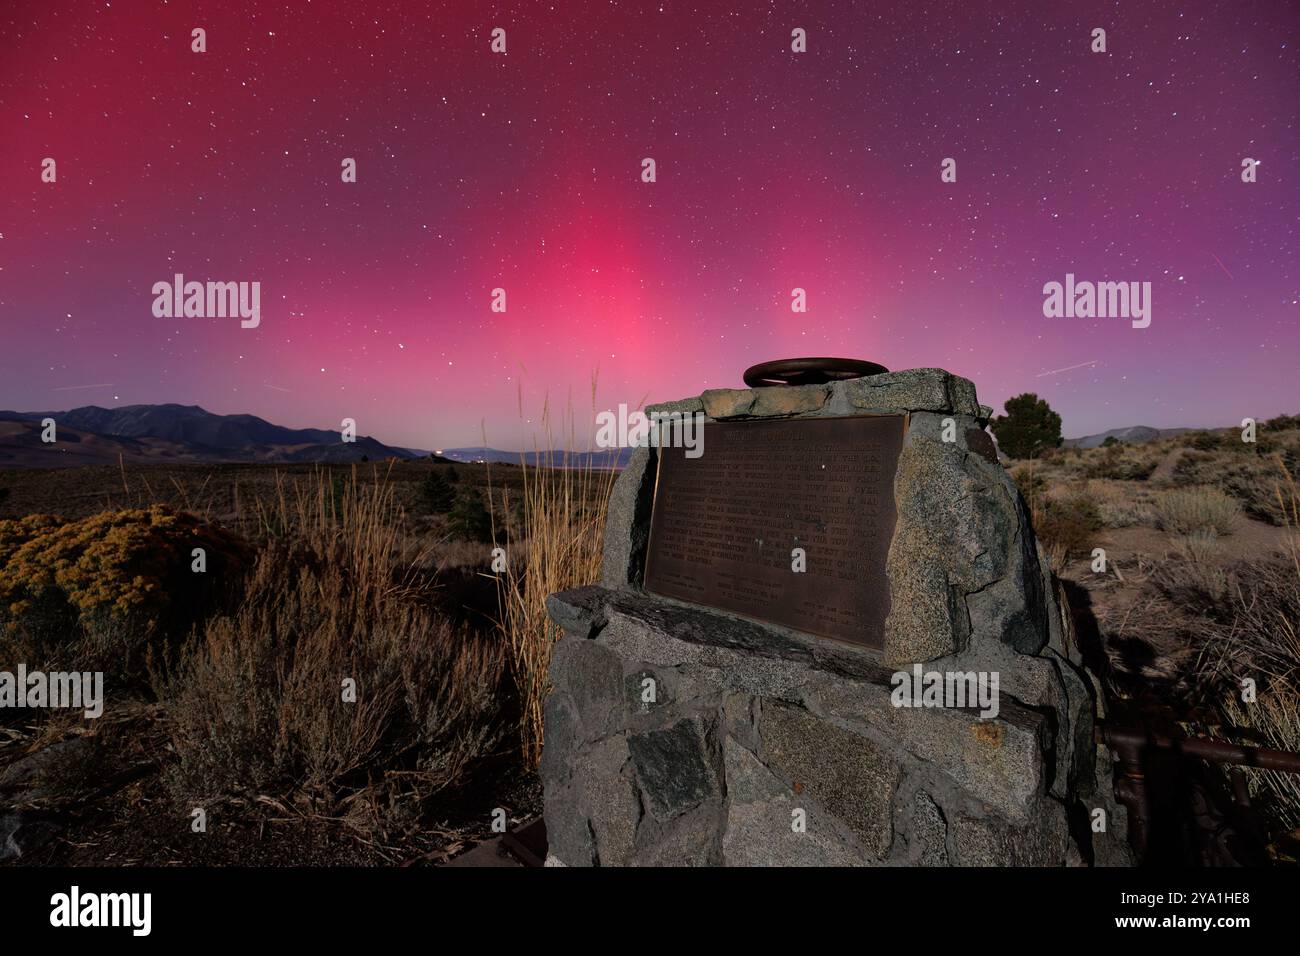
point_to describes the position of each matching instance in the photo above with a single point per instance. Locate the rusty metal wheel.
(808, 371)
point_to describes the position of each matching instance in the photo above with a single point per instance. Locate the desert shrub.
(1063, 458)
(1197, 510)
(1256, 485)
(1121, 463)
(108, 586)
(1120, 506)
(1229, 440)
(1067, 525)
(1030, 481)
(1266, 443)
(256, 702)
(1258, 492)
(1189, 464)
(1071, 467)
(1206, 441)
(1283, 423)
(1200, 547)
(1247, 472)
(436, 493)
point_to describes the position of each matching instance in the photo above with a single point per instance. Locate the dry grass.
(1274, 721)
(226, 493)
(1195, 621)
(1247, 472)
(245, 707)
(1121, 506)
(344, 584)
(1260, 641)
(256, 702)
(1194, 574)
(556, 546)
(457, 555)
(1122, 462)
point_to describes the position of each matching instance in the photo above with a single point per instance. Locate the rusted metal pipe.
(1130, 785)
(1130, 745)
(1215, 751)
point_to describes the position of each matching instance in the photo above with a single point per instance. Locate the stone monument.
(829, 639)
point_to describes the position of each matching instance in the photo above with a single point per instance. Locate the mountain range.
(92, 435)
(179, 433)
(1133, 435)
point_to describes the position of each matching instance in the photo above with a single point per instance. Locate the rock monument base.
(681, 735)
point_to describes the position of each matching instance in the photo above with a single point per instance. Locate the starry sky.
(775, 170)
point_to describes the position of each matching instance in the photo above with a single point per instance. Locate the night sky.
(775, 170)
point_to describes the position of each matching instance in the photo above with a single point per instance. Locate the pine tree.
(436, 494)
(469, 518)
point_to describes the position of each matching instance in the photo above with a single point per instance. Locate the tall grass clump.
(1262, 642)
(553, 542)
(337, 673)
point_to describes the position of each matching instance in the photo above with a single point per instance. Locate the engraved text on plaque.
(724, 526)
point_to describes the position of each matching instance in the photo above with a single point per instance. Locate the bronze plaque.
(724, 526)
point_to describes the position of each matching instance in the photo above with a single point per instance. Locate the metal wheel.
(808, 371)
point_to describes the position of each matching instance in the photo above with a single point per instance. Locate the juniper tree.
(1029, 427)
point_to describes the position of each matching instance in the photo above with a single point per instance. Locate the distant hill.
(1133, 435)
(602, 458)
(94, 435)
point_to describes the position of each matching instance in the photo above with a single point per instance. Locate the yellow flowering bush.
(134, 564)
